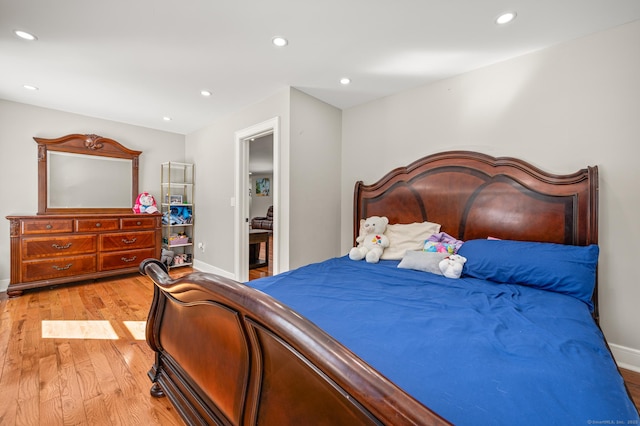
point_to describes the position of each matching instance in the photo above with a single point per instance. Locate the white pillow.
(422, 261)
(403, 237)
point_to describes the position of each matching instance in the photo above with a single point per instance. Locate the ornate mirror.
(86, 174)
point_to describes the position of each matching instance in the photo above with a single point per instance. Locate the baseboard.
(205, 267)
(627, 358)
(4, 285)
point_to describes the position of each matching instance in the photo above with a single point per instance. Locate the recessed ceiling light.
(25, 35)
(345, 81)
(166, 118)
(279, 41)
(205, 93)
(30, 87)
(505, 18)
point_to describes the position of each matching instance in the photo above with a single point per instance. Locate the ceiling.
(137, 61)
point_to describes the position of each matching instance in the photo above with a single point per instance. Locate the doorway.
(260, 206)
(254, 146)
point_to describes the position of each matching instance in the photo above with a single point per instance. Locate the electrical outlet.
(201, 246)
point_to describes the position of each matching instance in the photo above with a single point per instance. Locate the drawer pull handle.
(59, 247)
(131, 259)
(131, 241)
(98, 225)
(138, 223)
(49, 226)
(62, 268)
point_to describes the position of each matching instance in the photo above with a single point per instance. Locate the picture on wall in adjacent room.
(263, 187)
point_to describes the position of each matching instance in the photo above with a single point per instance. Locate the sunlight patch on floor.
(137, 329)
(64, 329)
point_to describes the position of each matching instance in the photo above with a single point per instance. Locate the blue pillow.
(555, 267)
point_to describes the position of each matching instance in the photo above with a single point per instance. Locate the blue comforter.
(474, 351)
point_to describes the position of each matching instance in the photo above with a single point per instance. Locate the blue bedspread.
(474, 351)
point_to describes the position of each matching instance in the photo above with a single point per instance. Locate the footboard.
(229, 354)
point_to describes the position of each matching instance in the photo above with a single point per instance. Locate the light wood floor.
(79, 381)
(632, 379)
(91, 380)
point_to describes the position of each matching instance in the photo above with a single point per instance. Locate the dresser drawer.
(138, 223)
(38, 247)
(30, 227)
(127, 240)
(124, 259)
(59, 267)
(97, 224)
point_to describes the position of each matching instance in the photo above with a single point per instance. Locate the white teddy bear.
(451, 266)
(371, 241)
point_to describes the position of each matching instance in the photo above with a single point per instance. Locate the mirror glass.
(86, 174)
(88, 181)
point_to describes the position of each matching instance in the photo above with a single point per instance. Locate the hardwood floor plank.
(28, 404)
(71, 395)
(51, 412)
(28, 412)
(137, 367)
(11, 371)
(126, 383)
(98, 412)
(29, 384)
(110, 392)
(136, 410)
(49, 381)
(87, 379)
(632, 380)
(56, 312)
(9, 396)
(117, 408)
(5, 330)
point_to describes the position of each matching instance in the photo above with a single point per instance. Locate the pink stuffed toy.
(145, 203)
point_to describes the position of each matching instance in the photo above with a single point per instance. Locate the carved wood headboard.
(473, 195)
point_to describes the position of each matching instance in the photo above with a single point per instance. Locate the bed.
(514, 340)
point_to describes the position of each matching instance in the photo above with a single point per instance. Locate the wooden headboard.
(473, 195)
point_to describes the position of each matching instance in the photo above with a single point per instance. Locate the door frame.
(242, 140)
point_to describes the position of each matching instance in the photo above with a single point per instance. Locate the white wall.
(212, 149)
(315, 179)
(561, 109)
(310, 138)
(19, 123)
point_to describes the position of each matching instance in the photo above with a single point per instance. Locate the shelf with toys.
(177, 208)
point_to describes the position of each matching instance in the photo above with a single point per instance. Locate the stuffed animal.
(451, 266)
(145, 203)
(371, 241)
(166, 257)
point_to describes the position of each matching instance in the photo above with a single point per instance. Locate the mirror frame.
(88, 145)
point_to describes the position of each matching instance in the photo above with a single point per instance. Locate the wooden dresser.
(55, 249)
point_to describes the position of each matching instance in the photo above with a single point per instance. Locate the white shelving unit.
(177, 208)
